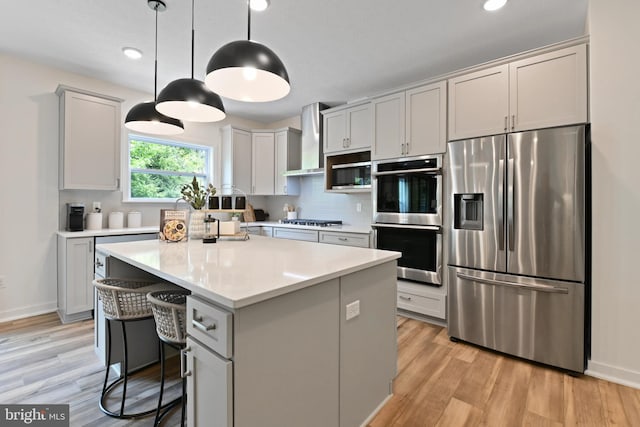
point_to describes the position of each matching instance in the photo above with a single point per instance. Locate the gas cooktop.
(316, 222)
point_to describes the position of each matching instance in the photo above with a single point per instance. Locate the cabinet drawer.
(287, 233)
(432, 305)
(359, 240)
(210, 325)
(100, 265)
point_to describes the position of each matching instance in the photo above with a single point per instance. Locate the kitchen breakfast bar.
(280, 332)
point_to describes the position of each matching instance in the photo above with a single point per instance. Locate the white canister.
(116, 220)
(134, 220)
(292, 215)
(94, 221)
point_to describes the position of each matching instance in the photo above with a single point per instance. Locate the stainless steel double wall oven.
(407, 206)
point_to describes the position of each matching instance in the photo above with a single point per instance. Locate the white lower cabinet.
(423, 299)
(295, 234)
(75, 274)
(209, 387)
(345, 239)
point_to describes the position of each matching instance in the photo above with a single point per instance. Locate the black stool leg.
(106, 374)
(184, 401)
(157, 419)
(125, 372)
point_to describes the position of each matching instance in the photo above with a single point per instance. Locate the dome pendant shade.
(144, 117)
(248, 71)
(190, 100)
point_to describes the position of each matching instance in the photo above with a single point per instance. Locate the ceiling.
(334, 50)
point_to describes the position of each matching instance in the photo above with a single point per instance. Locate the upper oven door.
(407, 193)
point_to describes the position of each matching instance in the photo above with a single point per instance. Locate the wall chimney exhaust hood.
(312, 162)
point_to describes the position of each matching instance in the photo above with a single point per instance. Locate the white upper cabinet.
(89, 140)
(236, 160)
(541, 91)
(411, 123)
(288, 157)
(348, 130)
(479, 103)
(549, 90)
(263, 163)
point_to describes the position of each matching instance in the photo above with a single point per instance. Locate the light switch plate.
(353, 309)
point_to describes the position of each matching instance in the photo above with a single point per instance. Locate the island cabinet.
(540, 91)
(236, 159)
(347, 129)
(280, 333)
(89, 129)
(292, 360)
(410, 123)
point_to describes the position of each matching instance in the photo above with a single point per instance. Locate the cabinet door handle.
(404, 298)
(513, 121)
(402, 148)
(197, 323)
(99, 264)
(344, 142)
(406, 150)
(343, 239)
(184, 372)
(506, 123)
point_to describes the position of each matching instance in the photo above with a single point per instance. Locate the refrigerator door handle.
(510, 204)
(501, 205)
(537, 288)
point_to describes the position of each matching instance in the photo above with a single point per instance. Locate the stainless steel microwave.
(347, 176)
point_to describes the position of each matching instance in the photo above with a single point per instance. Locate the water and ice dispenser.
(468, 211)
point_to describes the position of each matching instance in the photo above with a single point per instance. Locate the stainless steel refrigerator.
(518, 272)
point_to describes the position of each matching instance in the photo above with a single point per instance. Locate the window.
(159, 168)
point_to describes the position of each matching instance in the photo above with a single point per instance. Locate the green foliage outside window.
(158, 170)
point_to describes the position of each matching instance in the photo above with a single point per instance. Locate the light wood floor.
(439, 383)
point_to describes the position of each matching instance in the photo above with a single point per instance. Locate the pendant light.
(190, 99)
(144, 117)
(246, 70)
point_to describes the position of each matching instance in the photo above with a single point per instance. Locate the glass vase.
(196, 224)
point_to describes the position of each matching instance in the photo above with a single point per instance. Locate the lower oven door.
(421, 249)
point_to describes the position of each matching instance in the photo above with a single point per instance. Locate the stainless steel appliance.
(312, 154)
(421, 248)
(351, 175)
(407, 206)
(408, 191)
(518, 276)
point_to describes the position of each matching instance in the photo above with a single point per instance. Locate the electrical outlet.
(358, 207)
(353, 309)
(96, 206)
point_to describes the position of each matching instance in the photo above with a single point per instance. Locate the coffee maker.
(75, 216)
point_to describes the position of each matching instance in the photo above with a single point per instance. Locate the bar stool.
(169, 311)
(124, 300)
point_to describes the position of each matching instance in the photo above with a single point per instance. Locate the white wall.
(31, 204)
(615, 114)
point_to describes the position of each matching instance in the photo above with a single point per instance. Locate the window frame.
(204, 178)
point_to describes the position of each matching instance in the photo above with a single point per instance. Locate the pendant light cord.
(193, 37)
(248, 19)
(155, 73)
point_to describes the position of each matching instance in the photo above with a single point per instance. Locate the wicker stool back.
(125, 299)
(170, 312)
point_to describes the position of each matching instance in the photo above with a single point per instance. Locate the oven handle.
(430, 171)
(419, 227)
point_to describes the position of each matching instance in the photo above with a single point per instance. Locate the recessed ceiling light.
(492, 5)
(259, 5)
(132, 52)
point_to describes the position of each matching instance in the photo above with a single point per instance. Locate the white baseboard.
(32, 310)
(614, 374)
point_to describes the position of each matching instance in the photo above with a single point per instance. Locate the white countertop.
(345, 228)
(109, 232)
(239, 273)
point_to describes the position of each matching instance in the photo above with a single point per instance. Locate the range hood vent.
(312, 161)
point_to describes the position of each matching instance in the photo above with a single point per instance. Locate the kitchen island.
(281, 333)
